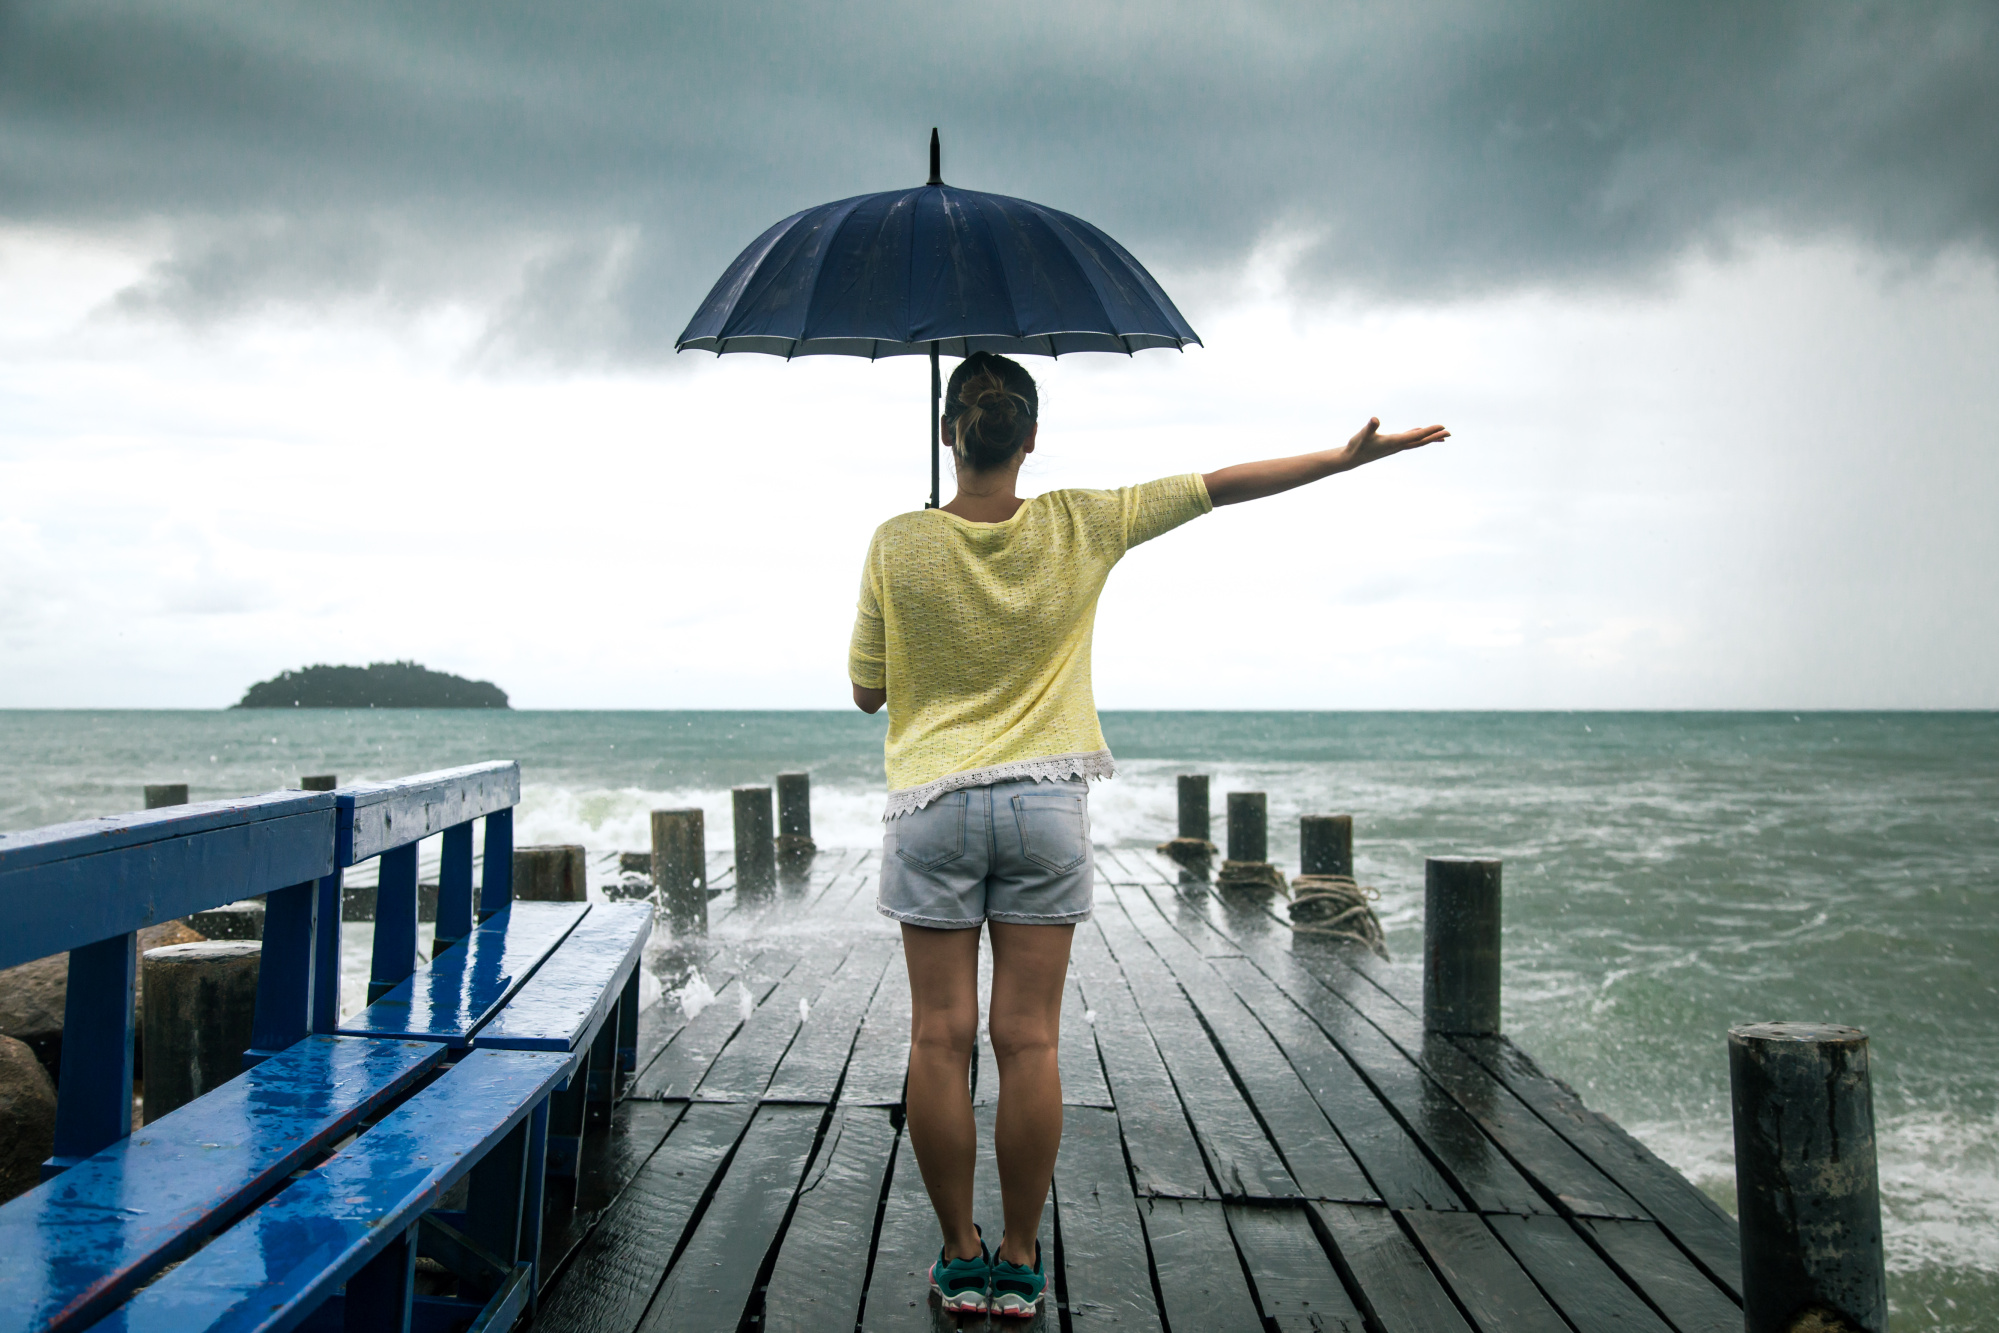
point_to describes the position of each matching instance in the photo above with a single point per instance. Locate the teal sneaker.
(961, 1283)
(1017, 1290)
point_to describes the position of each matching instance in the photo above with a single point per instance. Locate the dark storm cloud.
(584, 171)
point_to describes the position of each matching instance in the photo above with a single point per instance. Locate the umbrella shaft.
(936, 428)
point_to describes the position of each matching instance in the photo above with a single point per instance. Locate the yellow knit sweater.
(980, 633)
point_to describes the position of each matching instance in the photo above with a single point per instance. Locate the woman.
(974, 628)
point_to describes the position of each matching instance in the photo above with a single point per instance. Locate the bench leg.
(380, 1296)
(568, 1110)
(285, 974)
(496, 887)
(531, 1201)
(454, 889)
(94, 1104)
(604, 1067)
(395, 922)
(628, 1023)
(326, 956)
(498, 1190)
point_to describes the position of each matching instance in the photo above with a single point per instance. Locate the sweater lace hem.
(1053, 768)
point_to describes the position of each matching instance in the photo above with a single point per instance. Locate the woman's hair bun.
(992, 404)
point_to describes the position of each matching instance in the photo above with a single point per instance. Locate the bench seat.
(352, 1220)
(564, 1005)
(77, 1245)
(455, 994)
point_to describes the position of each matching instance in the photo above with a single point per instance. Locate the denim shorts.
(1013, 851)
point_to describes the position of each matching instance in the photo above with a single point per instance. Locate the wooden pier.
(1258, 1135)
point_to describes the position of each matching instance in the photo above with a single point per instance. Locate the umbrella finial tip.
(936, 159)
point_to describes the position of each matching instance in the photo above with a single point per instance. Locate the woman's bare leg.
(1029, 965)
(943, 1024)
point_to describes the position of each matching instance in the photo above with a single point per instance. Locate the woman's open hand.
(1370, 444)
(1273, 476)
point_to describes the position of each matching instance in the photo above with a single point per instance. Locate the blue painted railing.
(88, 887)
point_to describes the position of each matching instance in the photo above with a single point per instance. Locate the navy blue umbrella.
(934, 270)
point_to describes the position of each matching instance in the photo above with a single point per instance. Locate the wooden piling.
(160, 795)
(680, 867)
(1325, 845)
(319, 782)
(552, 873)
(1461, 945)
(199, 1012)
(1807, 1192)
(756, 848)
(1249, 826)
(1194, 818)
(794, 815)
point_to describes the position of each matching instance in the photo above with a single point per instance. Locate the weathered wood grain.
(819, 1278)
(1690, 1300)
(743, 1069)
(612, 1278)
(817, 1058)
(1395, 1285)
(899, 1299)
(1200, 1279)
(1487, 1280)
(711, 1282)
(1106, 1271)
(880, 1062)
(1294, 1282)
(1082, 1072)
(1584, 1288)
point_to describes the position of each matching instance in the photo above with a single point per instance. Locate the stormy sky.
(330, 330)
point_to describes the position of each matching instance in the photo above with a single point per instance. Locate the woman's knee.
(1018, 1036)
(944, 1031)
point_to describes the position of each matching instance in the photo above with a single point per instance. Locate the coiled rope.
(1252, 876)
(1336, 907)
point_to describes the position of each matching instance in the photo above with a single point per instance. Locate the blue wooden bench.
(529, 1009)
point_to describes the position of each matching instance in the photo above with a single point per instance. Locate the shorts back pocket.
(1054, 827)
(934, 836)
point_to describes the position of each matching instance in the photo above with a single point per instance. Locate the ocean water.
(1666, 875)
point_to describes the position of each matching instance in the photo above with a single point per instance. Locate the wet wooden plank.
(1486, 1279)
(743, 1069)
(1295, 1284)
(1082, 1072)
(611, 1158)
(819, 1278)
(1541, 1155)
(1473, 1164)
(1200, 1279)
(812, 1067)
(988, 1213)
(1238, 1152)
(1106, 1274)
(710, 1284)
(1650, 1261)
(1395, 1164)
(1395, 1283)
(1676, 1203)
(612, 1278)
(680, 1067)
(1317, 1158)
(1165, 1159)
(665, 1017)
(570, 995)
(880, 1063)
(1575, 1277)
(899, 1299)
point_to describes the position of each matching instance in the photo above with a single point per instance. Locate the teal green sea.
(1666, 875)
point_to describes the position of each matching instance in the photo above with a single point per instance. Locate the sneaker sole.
(959, 1304)
(1009, 1306)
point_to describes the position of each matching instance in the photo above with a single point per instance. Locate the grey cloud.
(585, 170)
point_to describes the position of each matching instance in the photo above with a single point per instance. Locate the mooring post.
(1249, 826)
(319, 782)
(1325, 845)
(551, 873)
(794, 814)
(680, 867)
(160, 795)
(200, 1016)
(1461, 945)
(756, 848)
(1806, 1190)
(1194, 819)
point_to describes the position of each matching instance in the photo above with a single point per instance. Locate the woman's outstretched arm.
(1253, 481)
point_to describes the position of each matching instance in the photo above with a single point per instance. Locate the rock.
(635, 863)
(32, 995)
(27, 1118)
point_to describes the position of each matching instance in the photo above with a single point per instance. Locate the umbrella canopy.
(935, 270)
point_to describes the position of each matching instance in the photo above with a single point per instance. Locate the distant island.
(377, 685)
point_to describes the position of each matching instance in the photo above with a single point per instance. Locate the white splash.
(1090, 1017)
(804, 1009)
(745, 1005)
(695, 996)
